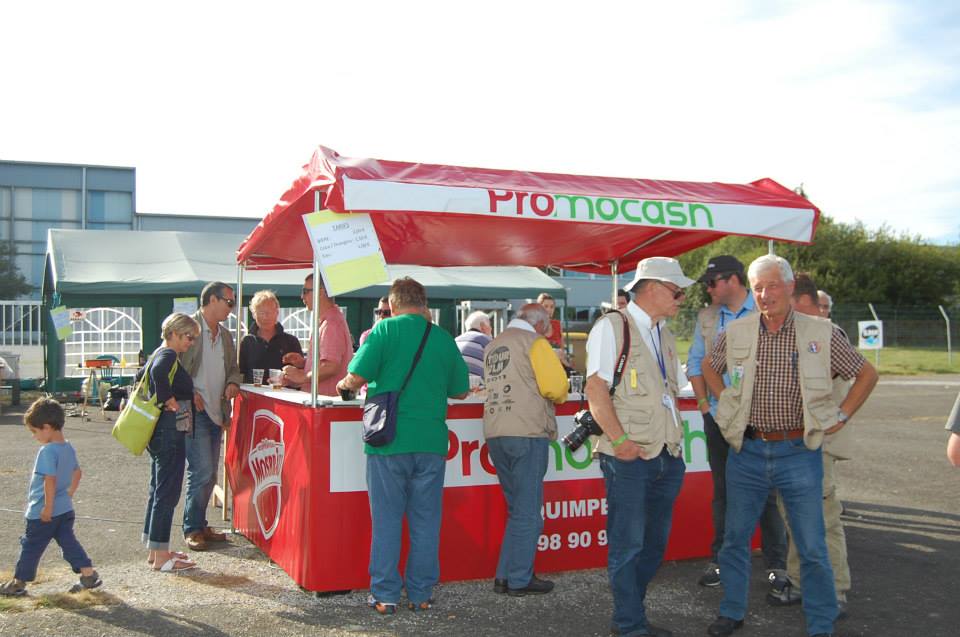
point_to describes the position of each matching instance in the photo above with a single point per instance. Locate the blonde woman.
(266, 344)
(167, 447)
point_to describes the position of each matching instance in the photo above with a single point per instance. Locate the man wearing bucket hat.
(639, 450)
(726, 282)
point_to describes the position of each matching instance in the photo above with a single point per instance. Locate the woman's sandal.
(381, 607)
(180, 555)
(175, 565)
(427, 605)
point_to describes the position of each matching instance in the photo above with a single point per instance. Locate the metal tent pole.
(614, 265)
(314, 345)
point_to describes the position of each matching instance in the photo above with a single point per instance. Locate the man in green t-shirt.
(407, 474)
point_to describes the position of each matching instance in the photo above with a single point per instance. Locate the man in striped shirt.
(471, 343)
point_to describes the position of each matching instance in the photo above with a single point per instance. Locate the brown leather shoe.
(214, 536)
(195, 541)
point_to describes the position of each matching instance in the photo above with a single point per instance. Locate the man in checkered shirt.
(774, 414)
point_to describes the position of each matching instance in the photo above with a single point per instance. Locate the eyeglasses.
(712, 283)
(230, 302)
(306, 291)
(382, 313)
(677, 293)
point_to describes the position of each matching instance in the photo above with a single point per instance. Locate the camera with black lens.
(586, 427)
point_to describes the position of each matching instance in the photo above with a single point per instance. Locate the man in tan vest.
(524, 378)
(726, 284)
(639, 450)
(775, 413)
(837, 446)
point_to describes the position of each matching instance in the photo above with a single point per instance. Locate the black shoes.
(724, 626)
(499, 586)
(536, 586)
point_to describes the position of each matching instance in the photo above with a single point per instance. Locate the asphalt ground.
(901, 513)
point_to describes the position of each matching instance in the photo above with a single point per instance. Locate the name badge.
(633, 378)
(736, 376)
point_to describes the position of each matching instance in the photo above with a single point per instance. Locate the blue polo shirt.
(698, 348)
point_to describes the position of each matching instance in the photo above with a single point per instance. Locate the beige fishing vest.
(640, 409)
(709, 318)
(816, 387)
(514, 406)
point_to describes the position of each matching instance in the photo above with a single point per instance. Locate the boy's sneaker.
(87, 582)
(711, 576)
(13, 588)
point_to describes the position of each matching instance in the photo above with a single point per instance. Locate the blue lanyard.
(659, 352)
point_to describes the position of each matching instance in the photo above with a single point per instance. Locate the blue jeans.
(411, 485)
(203, 458)
(166, 447)
(640, 496)
(36, 538)
(798, 473)
(521, 464)
(773, 532)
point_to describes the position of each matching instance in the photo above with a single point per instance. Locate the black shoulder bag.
(380, 411)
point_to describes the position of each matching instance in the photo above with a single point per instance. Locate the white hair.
(534, 314)
(767, 262)
(829, 298)
(476, 319)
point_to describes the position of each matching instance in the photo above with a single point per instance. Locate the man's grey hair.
(476, 319)
(829, 298)
(768, 262)
(534, 314)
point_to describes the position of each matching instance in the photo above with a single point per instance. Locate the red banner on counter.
(298, 479)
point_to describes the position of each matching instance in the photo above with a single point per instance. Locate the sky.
(218, 105)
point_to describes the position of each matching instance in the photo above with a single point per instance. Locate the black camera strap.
(622, 361)
(624, 353)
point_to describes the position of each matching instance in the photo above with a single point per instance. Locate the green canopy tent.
(119, 268)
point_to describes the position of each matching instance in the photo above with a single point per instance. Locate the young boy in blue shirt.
(49, 513)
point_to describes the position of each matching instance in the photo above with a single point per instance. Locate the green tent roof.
(92, 262)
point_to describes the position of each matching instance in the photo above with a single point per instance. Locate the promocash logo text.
(580, 207)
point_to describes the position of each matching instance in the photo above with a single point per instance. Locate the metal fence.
(117, 332)
(20, 323)
(912, 326)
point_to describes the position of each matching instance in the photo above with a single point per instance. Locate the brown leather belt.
(772, 436)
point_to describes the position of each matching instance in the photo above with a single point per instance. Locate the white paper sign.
(186, 304)
(348, 250)
(871, 334)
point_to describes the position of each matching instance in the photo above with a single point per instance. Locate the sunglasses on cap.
(382, 313)
(712, 283)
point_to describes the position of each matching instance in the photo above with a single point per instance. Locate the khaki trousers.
(836, 539)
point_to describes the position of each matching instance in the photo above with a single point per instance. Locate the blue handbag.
(380, 411)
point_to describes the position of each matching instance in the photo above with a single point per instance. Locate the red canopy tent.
(428, 214)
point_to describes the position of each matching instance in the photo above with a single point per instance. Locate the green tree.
(12, 283)
(854, 264)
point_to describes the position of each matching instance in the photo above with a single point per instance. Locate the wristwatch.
(842, 416)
